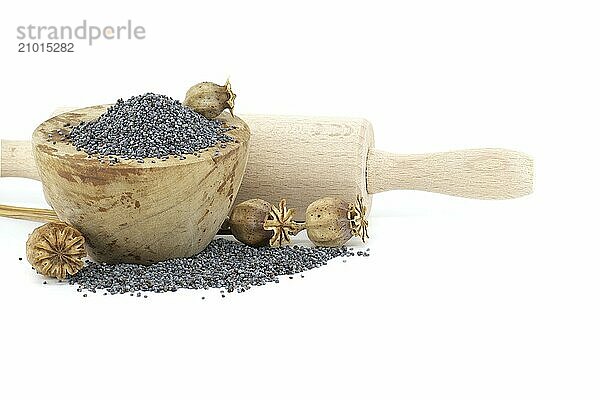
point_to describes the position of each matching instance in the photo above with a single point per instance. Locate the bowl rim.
(46, 139)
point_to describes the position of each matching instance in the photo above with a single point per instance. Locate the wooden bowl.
(140, 213)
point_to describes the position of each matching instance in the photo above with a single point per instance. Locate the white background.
(461, 299)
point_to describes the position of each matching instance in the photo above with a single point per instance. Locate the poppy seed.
(226, 265)
(147, 126)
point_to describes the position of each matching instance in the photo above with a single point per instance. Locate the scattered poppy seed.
(225, 264)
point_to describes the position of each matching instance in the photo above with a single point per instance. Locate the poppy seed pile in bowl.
(148, 126)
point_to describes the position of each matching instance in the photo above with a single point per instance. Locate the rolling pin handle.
(474, 173)
(16, 159)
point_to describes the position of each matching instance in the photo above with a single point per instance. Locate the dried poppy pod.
(210, 99)
(331, 222)
(247, 222)
(281, 222)
(55, 249)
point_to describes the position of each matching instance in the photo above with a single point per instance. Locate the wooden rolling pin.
(305, 158)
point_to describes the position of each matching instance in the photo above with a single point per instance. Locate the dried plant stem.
(297, 227)
(30, 214)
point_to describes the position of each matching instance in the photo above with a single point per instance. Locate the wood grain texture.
(306, 158)
(16, 159)
(132, 212)
(303, 159)
(474, 173)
